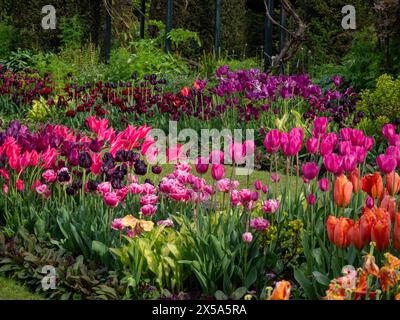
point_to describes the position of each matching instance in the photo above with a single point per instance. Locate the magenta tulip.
(217, 171)
(386, 163)
(310, 170)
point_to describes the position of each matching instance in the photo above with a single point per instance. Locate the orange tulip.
(343, 191)
(396, 233)
(388, 204)
(387, 278)
(341, 235)
(330, 227)
(367, 219)
(380, 234)
(354, 177)
(281, 291)
(355, 236)
(373, 185)
(393, 183)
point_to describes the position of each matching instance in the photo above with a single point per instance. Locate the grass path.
(11, 290)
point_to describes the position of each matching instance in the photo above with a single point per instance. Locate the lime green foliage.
(289, 241)
(40, 110)
(184, 41)
(10, 290)
(384, 100)
(6, 39)
(156, 253)
(18, 60)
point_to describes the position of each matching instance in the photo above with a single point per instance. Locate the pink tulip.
(265, 188)
(217, 157)
(249, 147)
(326, 147)
(111, 199)
(104, 187)
(258, 185)
(310, 170)
(168, 223)
(117, 225)
(236, 152)
(349, 162)
(388, 130)
(148, 199)
(394, 140)
(275, 177)
(320, 125)
(270, 206)
(361, 154)
(323, 184)
(5, 189)
(345, 134)
(357, 137)
(247, 237)
(333, 163)
(135, 188)
(49, 176)
(312, 145)
(217, 171)
(370, 202)
(224, 185)
(272, 141)
(43, 190)
(386, 163)
(259, 224)
(20, 185)
(95, 168)
(395, 153)
(345, 147)
(148, 210)
(201, 165)
(368, 143)
(311, 199)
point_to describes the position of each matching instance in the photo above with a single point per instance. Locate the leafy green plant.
(71, 32)
(383, 100)
(25, 256)
(6, 39)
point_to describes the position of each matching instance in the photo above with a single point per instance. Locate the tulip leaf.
(321, 278)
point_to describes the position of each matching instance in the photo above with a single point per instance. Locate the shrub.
(6, 35)
(384, 100)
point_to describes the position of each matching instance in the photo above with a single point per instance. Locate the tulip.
(394, 140)
(201, 165)
(367, 219)
(330, 227)
(249, 147)
(272, 141)
(117, 225)
(310, 170)
(395, 153)
(345, 134)
(275, 177)
(5, 189)
(380, 234)
(311, 199)
(281, 291)
(361, 153)
(323, 184)
(217, 171)
(355, 236)
(388, 130)
(247, 237)
(349, 162)
(386, 163)
(333, 163)
(343, 191)
(111, 199)
(368, 143)
(396, 233)
(148, 210)
(185, 91)
(236, 152)
(341, 234)
(270, 206)
(217, 157)
(370, 202)
(393, 183)
(345, 147)
(259, 224)
(265, 188)
(337, 80)
(20, 185)
(354, 177)
(312, 145)
(388, 204)
(357, 137)
(258, 185)
(372, 184)
(49, 176)
(320, 125)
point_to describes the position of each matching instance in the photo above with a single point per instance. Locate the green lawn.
(11, 290)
